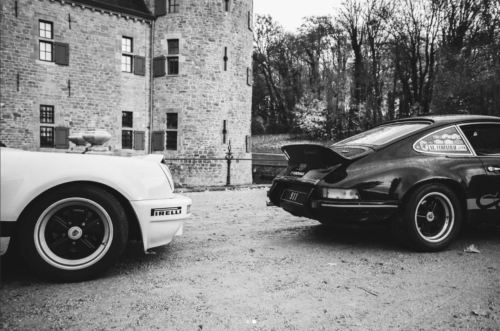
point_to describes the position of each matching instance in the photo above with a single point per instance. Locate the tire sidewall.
(29, 219)
(410, 226)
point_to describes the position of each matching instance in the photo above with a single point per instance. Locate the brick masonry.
(203, 94)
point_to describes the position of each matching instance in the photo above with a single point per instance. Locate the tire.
(72, 234)
(431, 218)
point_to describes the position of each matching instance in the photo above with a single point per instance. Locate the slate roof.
(131, 7)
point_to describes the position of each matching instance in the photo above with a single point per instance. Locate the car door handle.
(492, 169)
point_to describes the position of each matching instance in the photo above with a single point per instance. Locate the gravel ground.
(243, 266)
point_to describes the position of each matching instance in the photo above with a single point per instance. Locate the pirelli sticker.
(166, 211)
(446, 141)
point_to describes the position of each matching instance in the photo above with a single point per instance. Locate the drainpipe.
(151, 86)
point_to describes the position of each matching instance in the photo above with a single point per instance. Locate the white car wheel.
(73, 233)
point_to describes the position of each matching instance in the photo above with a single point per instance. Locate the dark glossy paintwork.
(389, 174)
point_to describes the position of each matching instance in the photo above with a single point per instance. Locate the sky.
(289, 13)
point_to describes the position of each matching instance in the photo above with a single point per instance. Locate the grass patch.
(271, 143)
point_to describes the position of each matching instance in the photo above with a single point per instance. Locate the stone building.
(161, 76)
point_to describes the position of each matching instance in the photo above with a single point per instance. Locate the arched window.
(226, 5)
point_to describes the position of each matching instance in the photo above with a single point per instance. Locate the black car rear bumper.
(343, 212)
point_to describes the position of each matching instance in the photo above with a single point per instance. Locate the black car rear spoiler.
(321, 156)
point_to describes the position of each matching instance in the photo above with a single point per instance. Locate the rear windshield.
(382, 134)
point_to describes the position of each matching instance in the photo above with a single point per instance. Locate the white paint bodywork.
(142, 181)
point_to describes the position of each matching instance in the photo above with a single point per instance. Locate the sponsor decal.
(310, 152)
(488, 201)
(440, 148)
(166, 211)
(443, 141)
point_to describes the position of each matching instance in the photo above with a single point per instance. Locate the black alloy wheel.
(431, 218)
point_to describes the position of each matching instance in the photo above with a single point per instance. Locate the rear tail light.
(343, 194)
(188, 210)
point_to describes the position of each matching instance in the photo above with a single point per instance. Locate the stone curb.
(221, 188)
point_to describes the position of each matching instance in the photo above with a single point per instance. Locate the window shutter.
(160, 7)
(139, 140)
(61, 53)
(62, 137)
(139, 65)
(158, 140)
(159, 66)
(249, 76)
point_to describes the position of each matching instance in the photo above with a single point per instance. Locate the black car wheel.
(73, 234)
(431, 218)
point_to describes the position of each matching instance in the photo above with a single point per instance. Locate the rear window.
(383, 134)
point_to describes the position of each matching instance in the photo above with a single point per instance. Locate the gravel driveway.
(243, 266)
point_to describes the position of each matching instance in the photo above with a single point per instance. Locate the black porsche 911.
(425, 176)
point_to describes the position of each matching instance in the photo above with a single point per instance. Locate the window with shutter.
(62, 137)
(160, 7)
(158, 141)
(139, 139)
(139, 65)
(61, 53)
(159, 66)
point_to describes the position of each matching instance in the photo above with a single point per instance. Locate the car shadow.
(381, 238)
(13, 269)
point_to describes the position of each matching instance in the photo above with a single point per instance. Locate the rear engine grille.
(350, 152)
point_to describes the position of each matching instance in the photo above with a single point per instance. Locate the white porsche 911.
(70, 215)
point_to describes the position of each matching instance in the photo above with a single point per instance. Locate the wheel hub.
(430, 216)
(75, 233)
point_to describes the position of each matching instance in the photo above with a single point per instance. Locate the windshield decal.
(445, 141)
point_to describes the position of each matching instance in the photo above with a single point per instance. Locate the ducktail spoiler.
(321, 156)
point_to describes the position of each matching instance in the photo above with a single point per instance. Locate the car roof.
(445, 119)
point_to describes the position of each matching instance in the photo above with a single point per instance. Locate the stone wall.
(97, 92)
(91, 92)
(203, 94)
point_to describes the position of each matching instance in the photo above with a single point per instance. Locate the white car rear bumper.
(161, 220)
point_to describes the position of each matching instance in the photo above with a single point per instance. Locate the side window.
(46, 136)
(173, 56)
(447, 141)
(173, 6)
(127, 139)
(46, 40)
(484, 138)
(127, 54)
(172, 127)
(127, 122)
